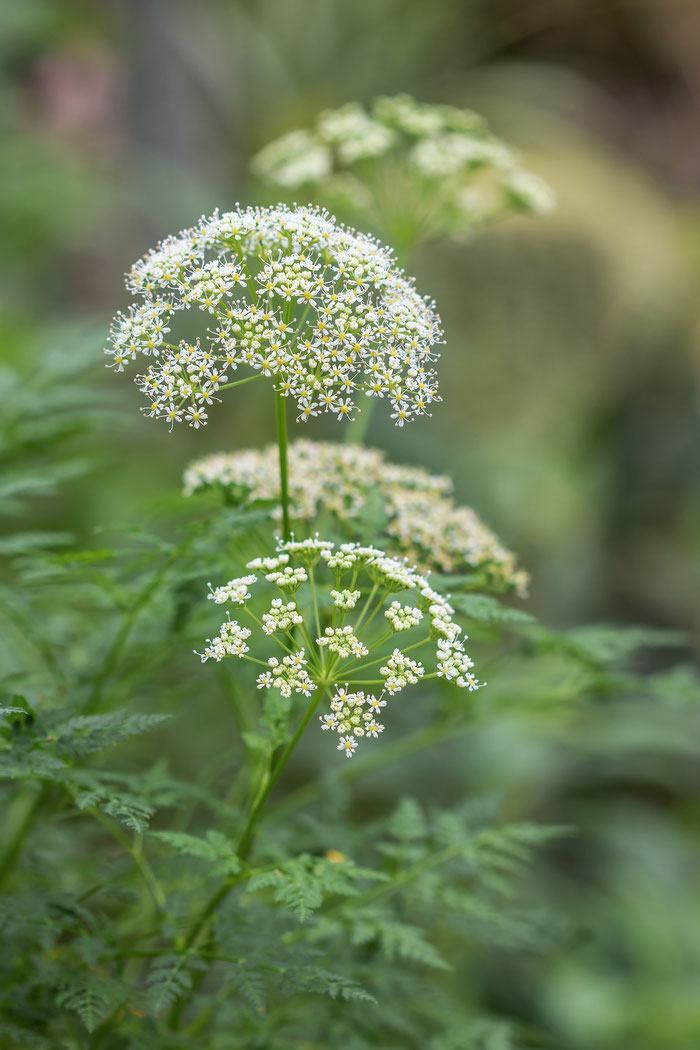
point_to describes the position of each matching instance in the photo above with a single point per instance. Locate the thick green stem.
(246, 839)
(281, 411)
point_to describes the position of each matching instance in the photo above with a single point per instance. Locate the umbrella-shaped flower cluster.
(284, 293)
(409, 165)
(339, 627)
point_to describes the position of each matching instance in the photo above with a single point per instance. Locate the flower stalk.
(282, 444)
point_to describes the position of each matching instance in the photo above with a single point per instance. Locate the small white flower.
(196, 416)
(348, 744)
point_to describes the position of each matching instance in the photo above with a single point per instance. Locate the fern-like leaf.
(214, 847)
(302, 884)
(169, 977)
(87, 995)
(85, 734)
(131, 811)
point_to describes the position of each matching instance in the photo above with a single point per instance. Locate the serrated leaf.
(397, 940)
(485, 609)
(302, 884)
(326, 982)
(87, 996)
(35, 763)
(85, 734)
(247, 981)
(214, 847)
(407, 822)
(609, 644)
(168, 979)
(129, 810)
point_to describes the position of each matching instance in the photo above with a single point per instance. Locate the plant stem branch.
(281, 415)
(246, 838)
(240, 382)
(245, 841)
(17, 839)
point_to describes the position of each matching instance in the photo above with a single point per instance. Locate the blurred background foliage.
(570, 420)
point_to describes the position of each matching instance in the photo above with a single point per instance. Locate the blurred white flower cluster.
(321, 651)
(287, 293)
(443, 170)
(413, 510)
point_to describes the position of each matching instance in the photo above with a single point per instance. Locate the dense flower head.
(341, 629)
(414, 509)
(443, 154)
(286, 293)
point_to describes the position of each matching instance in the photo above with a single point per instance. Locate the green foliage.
(351, 914)
(85, 734)
(169, 978)
(214, 848)
(486, 609)
(303, 883)
(87, 995)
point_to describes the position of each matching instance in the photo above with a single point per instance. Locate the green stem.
(246, 838)
(366, 606)
(356, 431)
(113, 656)
(371, 663)
(17, 839)
(374, 612)
(281, 413)
(245, 841)
(240, 382)
(135, 852)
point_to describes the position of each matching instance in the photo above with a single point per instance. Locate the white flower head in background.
(413, 510)
(285, 293)
(444, 171)
(339, 628)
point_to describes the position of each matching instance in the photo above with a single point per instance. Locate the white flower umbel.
(341, 629)
(415, 509)
(287, 293)
(444, 171)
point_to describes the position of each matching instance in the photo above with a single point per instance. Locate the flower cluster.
(287, 293)
(345, 599)
(281, 617)
(414, 509)
(400, 671)
(343, 641)
(288, 675)
(352, 716)
(403, 617)
(230, 641)
(330, 582)
(444, 155)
